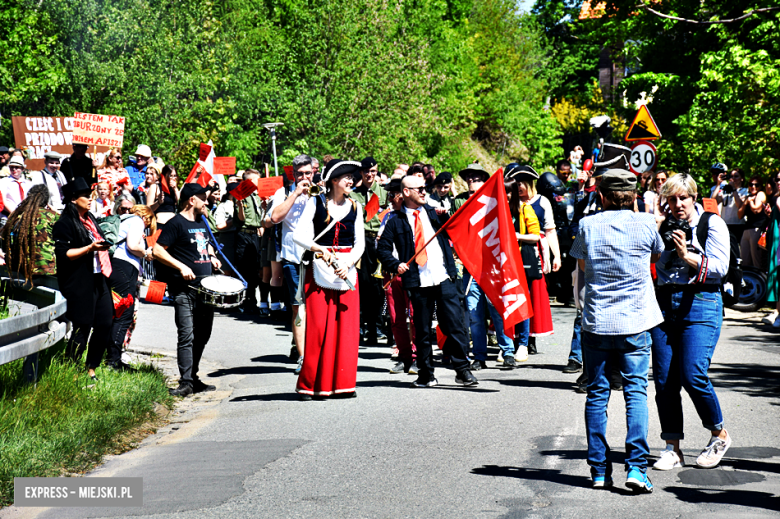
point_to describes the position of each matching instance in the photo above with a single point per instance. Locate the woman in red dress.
(331, 226)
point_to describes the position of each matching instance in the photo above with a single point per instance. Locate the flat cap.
(53, 155)
(618, 180)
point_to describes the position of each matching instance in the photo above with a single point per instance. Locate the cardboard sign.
(643, 128)
(203, 152)
(710, 205)
(40, 135)
(244, 189)
(266, 187)
(98, 130)
(225, 166)
(288, 170)
(151, 241)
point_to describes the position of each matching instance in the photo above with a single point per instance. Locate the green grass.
(61, 425)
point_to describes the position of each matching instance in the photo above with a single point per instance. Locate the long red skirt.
(541, 322)
(330, 356)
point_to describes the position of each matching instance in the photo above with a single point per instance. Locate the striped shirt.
(619, 294)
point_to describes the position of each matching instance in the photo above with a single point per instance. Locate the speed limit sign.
(643, 157)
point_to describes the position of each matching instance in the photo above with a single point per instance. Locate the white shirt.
(304, 231)
(223, 213)
(9, 187)
(433, 272)
(133, 225)
(290, 250)
(102, 208)
(48, 179)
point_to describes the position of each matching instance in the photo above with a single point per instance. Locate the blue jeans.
(576, 342)
(292, 272)
(476, 301)
(632, 355)
(682, 350)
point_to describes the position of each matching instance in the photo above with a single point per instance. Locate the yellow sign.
(643, 128)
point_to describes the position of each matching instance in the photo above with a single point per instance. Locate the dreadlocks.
(18, 235)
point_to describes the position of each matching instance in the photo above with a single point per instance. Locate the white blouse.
(304, 231)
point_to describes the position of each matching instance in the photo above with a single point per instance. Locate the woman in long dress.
(331, 226)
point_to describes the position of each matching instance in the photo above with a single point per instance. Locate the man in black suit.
(430, 279)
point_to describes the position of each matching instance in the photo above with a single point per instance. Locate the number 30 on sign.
(643, 157)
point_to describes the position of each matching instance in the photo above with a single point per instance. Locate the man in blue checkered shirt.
(614, 249)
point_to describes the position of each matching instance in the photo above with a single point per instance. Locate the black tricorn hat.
(613, 156)
(339, 167)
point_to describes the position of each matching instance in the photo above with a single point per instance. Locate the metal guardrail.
(40, 324)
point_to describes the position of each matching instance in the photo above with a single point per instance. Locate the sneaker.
(478, 365)
(500, 358)
(581, 385)
(712, 454)
(412, 368)
(294, 354)
(419, 383)
(602, 481)
(198, 386)
(639, 482)
(509, 362)
(669, 459)
(183, 390)
(398, 368)
(521, 354)
(466, 379)
(572, 367)
(770, 318)
(299, 367)
(394, 353)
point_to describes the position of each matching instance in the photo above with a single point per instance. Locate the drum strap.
(218, 248)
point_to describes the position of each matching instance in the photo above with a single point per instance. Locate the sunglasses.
(755, 184)
(420, 189)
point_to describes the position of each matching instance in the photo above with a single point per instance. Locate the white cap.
(16, 161)
(143, 150)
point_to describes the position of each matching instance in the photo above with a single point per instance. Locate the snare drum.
(221, 291)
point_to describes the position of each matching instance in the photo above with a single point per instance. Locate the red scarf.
(103, 257)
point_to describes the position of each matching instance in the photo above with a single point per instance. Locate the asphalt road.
(512, 447)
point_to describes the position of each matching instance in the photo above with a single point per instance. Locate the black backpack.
(734, 275)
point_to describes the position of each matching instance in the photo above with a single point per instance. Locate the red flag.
(372, 207)
(204, 178)
(165, 185)
(244, 189)
(198, 174)
(484, 238)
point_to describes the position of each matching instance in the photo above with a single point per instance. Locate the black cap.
(232, 186)
(192, 189)
(442, 178)
(4, 149)
(394, 186)
(367, 163)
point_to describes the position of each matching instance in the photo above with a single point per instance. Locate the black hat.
(618, 180)
(232, 186)
(442, 178)
(474, 170)
(77, 187)
(613, 156)
(191, 189)
(394, 186)
(4, 149)
(339, 167)
(367, 163)
(524, 173)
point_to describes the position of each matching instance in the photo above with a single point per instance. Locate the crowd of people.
(349, 254)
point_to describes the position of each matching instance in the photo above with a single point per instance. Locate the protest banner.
(203, 151)
(98, 130)
(266, 187)
(225, 166)
(244, 189)
(40, 135)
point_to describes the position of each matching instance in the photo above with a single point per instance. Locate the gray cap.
(618, 180)
(52, 155)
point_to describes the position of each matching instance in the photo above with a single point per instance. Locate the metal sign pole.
(271, 127)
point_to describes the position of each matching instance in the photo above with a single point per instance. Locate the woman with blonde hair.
(112, 171)
(102, 200)
(126, 268)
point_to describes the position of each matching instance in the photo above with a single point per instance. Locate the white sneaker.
(714, 451)
(669, 459)
(521, 355)
(500, 359)
(770, 318)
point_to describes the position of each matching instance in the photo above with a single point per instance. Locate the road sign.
(643, 157)
(643, 128)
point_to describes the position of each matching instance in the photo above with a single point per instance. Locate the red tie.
(103, 257)
(21, 191)
(419, 241)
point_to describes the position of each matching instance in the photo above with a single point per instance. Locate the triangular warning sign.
(643, 128)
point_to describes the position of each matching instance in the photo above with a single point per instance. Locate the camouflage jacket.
(44, 258)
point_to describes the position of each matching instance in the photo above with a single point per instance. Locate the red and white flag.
(484, 238)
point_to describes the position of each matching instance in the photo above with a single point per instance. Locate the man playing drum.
(183, 247)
